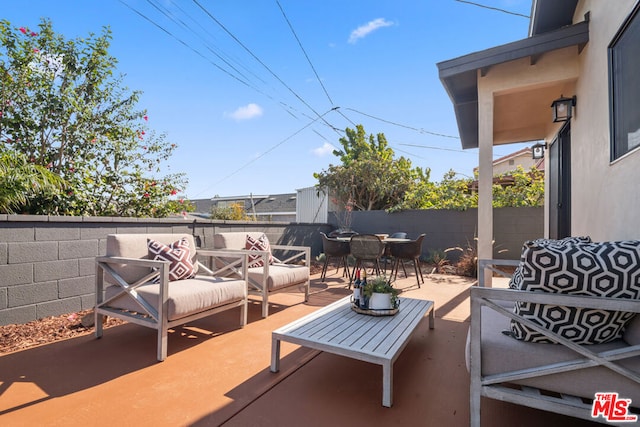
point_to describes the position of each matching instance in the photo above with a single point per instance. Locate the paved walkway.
(217, 374)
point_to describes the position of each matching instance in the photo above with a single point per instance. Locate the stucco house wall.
(605, 194)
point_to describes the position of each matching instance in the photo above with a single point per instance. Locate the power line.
(266, 152)
(171, 16)
(170, 34)
(305, 53)
(404, 126)
(214, 19)
(434, 148)
(493, 8)
(289, 109)
(447, 149)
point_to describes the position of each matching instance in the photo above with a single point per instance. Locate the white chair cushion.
(186, 297)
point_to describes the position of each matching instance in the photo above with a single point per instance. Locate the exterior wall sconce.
(537, 151)
(563, 108)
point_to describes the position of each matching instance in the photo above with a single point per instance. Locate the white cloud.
(364, 30)
(247, 112)
(325, 150)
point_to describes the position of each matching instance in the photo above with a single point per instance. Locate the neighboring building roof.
(511, 161)
(202, 205)
(273, 204)
(459, 76)
(276, 204)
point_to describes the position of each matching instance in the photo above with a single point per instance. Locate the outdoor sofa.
(581, 295)
(160, 294)
(267, 274)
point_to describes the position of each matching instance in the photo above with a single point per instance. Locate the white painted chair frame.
(156, 317)
(491, 386)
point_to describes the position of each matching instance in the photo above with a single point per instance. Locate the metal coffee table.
(338, 329)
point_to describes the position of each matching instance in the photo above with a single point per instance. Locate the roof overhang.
(460, 75)
(549, 15)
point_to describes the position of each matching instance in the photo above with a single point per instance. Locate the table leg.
(431, 318)
(275, 354)
(387, 384)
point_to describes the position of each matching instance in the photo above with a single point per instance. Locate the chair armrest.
(236, 261)
(490, 264)
(299, 252)
(487, 296)
(131, 261)
(104, 265)
(514, 295)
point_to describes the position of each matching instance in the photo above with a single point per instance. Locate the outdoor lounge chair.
(131, 285)
(273, 274)
(565, 375)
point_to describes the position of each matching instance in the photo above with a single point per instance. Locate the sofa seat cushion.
(186, 297)
(631, 333)
(280, 275)
(606, 269)
(501, 353)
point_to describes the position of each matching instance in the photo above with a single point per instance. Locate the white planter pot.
(380, 301)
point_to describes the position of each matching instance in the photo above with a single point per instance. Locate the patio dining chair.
(366, 248)
(334, 248)
(407, 251)
(387, 248)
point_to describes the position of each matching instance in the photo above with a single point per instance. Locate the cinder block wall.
(449, 229)
(47, 263)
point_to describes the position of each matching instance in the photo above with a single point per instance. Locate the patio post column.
(485, 177)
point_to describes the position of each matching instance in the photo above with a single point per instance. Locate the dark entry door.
(560, 185)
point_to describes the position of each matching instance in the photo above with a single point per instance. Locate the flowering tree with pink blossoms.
(64, 107)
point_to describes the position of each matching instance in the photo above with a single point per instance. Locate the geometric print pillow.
(516, 278)
(262, 244)
(608, 269)
(178, 254)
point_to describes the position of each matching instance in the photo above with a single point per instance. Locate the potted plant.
(382, 296)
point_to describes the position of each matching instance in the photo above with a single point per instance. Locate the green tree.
(452, 192)
(64, 108)
(21, 180)
(369, 177)
(234, 212)
(527, 189)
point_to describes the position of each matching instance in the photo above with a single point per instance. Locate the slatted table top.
(338, 329)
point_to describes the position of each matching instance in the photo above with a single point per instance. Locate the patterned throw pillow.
(262, 244)
(608, 269)
(178, 254)
(516, 279)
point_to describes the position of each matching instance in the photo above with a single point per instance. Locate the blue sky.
(238, 85)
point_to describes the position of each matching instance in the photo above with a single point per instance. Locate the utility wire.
(447, 149)
(404, 126)
(304, 51)
(289, 109)
(347, 118)
(266, 152)
(167, 13)
(214, 19)
(186, 45)
(435, 148)
(205, 31)
(493, 8)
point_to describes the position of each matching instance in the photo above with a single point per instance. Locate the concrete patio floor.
(218, 374)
